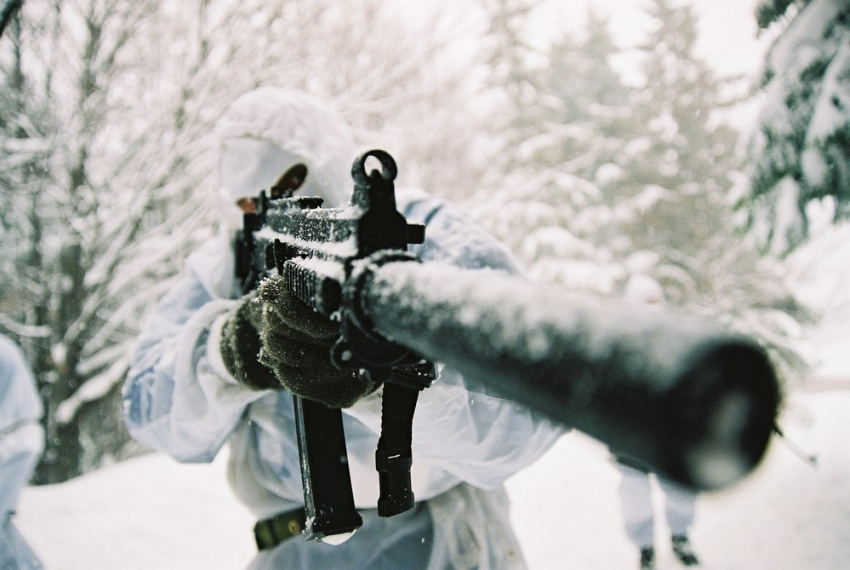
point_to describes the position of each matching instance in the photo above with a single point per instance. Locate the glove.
(240, 345)
(296, 344)
(293, 343)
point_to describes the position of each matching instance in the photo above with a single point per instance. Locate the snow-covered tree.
(82, 178)
(800, 150)
(614, 179)
(512, 79)
(558, 108)
(683, 153)
(106, 162)
(588, 93)
(676, 197)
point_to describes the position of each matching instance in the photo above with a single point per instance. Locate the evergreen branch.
(21, 330)
(8, 12)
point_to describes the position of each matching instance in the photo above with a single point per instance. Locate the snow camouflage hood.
(266, 131)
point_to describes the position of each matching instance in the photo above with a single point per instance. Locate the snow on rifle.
(682, 396)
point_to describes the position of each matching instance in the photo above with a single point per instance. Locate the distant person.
(21, 446)
(635, 486)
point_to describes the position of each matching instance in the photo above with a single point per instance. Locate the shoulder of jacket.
(213, 265)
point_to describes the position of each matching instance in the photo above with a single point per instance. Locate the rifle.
(691, 401)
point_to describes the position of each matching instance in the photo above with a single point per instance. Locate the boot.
(647, 558)
(683, 550)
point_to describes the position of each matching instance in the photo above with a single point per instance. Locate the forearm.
(179, 397)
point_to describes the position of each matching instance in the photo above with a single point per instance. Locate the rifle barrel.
(688, 400)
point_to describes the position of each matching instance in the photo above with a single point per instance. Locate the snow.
(820, 273)
(788, 220)
(785, 516)
(643, 289)
(95, 388)
(151, 513)
(830, 113)
(145, 513)
(814, 22)
(555, 240)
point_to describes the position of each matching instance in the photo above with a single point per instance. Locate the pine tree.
(586, 99)
(612, 180)
(512, 81)
(686, 155)
(563, 103)
(800, 151)
(676, 199)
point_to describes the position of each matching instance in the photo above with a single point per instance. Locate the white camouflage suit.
(21, 446)
(179, 397)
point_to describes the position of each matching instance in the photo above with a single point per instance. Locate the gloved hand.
(295, 344)
(240, 345)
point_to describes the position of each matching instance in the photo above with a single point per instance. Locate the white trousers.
(638, 512)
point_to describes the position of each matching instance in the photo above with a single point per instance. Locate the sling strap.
(270, 532)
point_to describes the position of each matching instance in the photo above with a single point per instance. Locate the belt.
(270, 532)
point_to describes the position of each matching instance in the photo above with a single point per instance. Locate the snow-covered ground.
(151, 513)
(820, 274)
(785, 516)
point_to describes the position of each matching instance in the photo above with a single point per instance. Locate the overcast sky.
(727, 27)
(728, 32)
